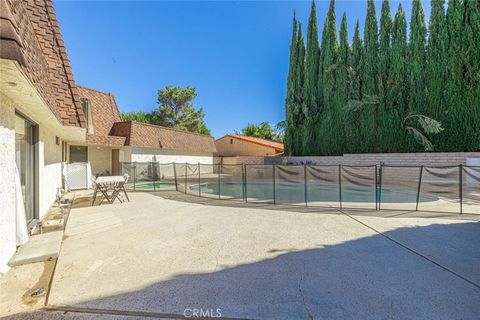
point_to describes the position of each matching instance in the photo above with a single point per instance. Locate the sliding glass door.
(25, 160)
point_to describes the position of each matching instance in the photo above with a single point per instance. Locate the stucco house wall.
(7, 173)
(167, 156)
(231, 147)
(100, 158)
(49, 169)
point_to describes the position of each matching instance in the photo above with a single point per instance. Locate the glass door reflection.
(24, 158)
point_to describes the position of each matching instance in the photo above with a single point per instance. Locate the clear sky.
(234, 53)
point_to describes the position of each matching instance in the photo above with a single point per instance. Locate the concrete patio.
(164, 254)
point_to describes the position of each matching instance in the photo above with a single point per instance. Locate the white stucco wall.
(100, 159)
(168, 156)
(50, 169)
(49, 175)
(7, 186)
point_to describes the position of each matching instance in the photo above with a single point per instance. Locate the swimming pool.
(291, 193)
(151, 186)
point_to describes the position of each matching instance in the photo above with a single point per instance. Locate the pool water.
(315, 192)
(150, 186)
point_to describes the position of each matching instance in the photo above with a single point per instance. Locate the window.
(86, 111)
(84, 103)
(78, 154)
(231, 141)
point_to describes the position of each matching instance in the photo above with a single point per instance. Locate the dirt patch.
(42, 283)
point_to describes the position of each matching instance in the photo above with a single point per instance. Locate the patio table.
(105, 183)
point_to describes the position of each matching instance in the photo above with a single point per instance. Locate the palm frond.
(357, 105)
(420, 138)
(429, 125)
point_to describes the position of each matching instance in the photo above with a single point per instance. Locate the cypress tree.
(290, 99)
(342, 84)
(399, 63)
(355, 61)
(471, 84)
(388, 78)
(398, 76)
(299, 116)
(436, 57)
(370, 50)
(384, 52)
(370, 72)
(417, 58)
(311, 94)
(453, 123)
(343, 58)
(384, 115)
(416, 63)
(329, 131)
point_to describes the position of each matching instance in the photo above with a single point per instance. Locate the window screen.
(78, 154)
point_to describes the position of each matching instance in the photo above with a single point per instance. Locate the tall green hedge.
(388, 92)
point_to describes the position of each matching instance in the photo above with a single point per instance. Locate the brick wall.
(406, 159)
(412, 159)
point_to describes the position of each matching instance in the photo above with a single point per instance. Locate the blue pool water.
(315, 192)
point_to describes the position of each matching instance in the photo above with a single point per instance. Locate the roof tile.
(260, 141)
(104, 112)
(151, 136)
(42, 55)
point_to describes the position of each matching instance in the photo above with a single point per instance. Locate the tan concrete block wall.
(412, 159)
(240, 148)
(403, 159)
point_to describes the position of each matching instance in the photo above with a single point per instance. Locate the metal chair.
(95, 188)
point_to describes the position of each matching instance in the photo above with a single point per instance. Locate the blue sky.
(234, 53)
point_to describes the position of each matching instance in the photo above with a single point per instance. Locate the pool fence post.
(186, 178)
(153, 175)
(340, 184)
(305, 184)
(134, 175)
(199, 179)
(376, 188)
(245, 182)
(159, 175)
(175, 175)
(460, 186)
(380, 187)
(219, 168)
(274, 193)
(419, 186)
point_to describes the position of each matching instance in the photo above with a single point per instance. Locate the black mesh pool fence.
(390, 187)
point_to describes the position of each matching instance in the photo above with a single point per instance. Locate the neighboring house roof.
(150, 136)
(278, 146)
(103, 114)
(30, 34)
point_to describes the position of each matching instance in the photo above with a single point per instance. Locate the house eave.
(17, 87)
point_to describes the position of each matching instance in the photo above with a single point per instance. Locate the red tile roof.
(30, 34)
(150, 136)
(278, 146)
(104, 113)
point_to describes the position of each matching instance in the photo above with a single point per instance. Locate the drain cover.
(38, 292)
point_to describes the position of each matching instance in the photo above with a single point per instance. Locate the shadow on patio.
(335, 210)
(366, 278)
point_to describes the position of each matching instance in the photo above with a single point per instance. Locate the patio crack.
(218, 253)
(421, 255)
(302, 295)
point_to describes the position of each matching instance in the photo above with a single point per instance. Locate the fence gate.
(76, 175)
